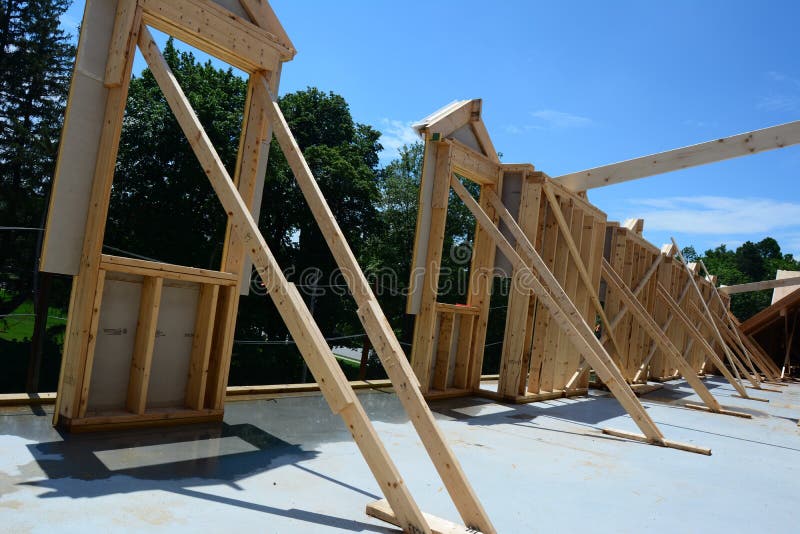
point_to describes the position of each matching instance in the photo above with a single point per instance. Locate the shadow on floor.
(178, 460)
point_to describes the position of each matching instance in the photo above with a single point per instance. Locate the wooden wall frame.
(256, 43)
(565, 287)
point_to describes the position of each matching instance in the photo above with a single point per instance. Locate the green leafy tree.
(750, 262)
(35, 66)
(162, 205)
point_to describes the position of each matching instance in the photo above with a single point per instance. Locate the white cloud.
(560, 119)
(395, 134)
(724, 216)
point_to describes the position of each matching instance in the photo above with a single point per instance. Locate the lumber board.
(682, 158)
(382, 337)
(125, 22)
(481, 281)
(201, 346)
(261, 13)
(143, 345)
(383, 511)
(92, 344)
(466, 329)
(145, 268)
(578, 263)
(76, 365)
(459, 309)
(424, 327)
(640, 314)
(698, 337)
(471, 165)
(517, 335)
(217, 31)
(298, 319)
(568, 317)
(445, 342)
(707, 313)
(665, 443)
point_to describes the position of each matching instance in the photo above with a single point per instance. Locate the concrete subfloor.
(288, 465)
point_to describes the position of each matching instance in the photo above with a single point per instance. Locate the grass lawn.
(21, 327)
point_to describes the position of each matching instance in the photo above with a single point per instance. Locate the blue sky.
(573, 85)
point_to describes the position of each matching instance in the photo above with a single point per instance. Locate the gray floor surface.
(288, 465)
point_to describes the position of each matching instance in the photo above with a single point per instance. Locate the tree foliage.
(162, 205)
(750, 262)
(35, 63)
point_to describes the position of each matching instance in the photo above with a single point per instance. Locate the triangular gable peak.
(461, 121)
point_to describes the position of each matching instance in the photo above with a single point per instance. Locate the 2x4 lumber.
(442, 368)
(760, 286)
(542, 331)
(221, 341)
(568, 317)
(682, 158)
(424, 327)
(741, 355)
(767, 362)
(381, 335)
(471, 165)
(640, 314)
(664, 328)
(124, 24)
(738, 341)
(463, 349)
(573, 215)
(638, 289)
(458, 309)
(383, 511)
(251, 164)
(666, 442)
(216, 31)
(698, 338)
(484, 140)
(711, 325)
(201, 346)
(408, 392)
(556, 343)
(142, 359)
(290, 305)
(73, 400)
(94, 326)
(481, 281)
(261, 13)
(451, 118)
(691, 271)
(166, 270)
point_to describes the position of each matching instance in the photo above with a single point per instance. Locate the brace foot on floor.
(381, 510)
(663, 443)
(759, 399)
(721, 411)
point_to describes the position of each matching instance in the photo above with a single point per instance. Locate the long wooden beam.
(584, 368)
(729, 324)
(640, 314)
(290, 305)
(708, 314)
(760, 286)
(664, 328)
(695, 334)
(381, 334)
(555, 208)
(682, 158)
(564, 312)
